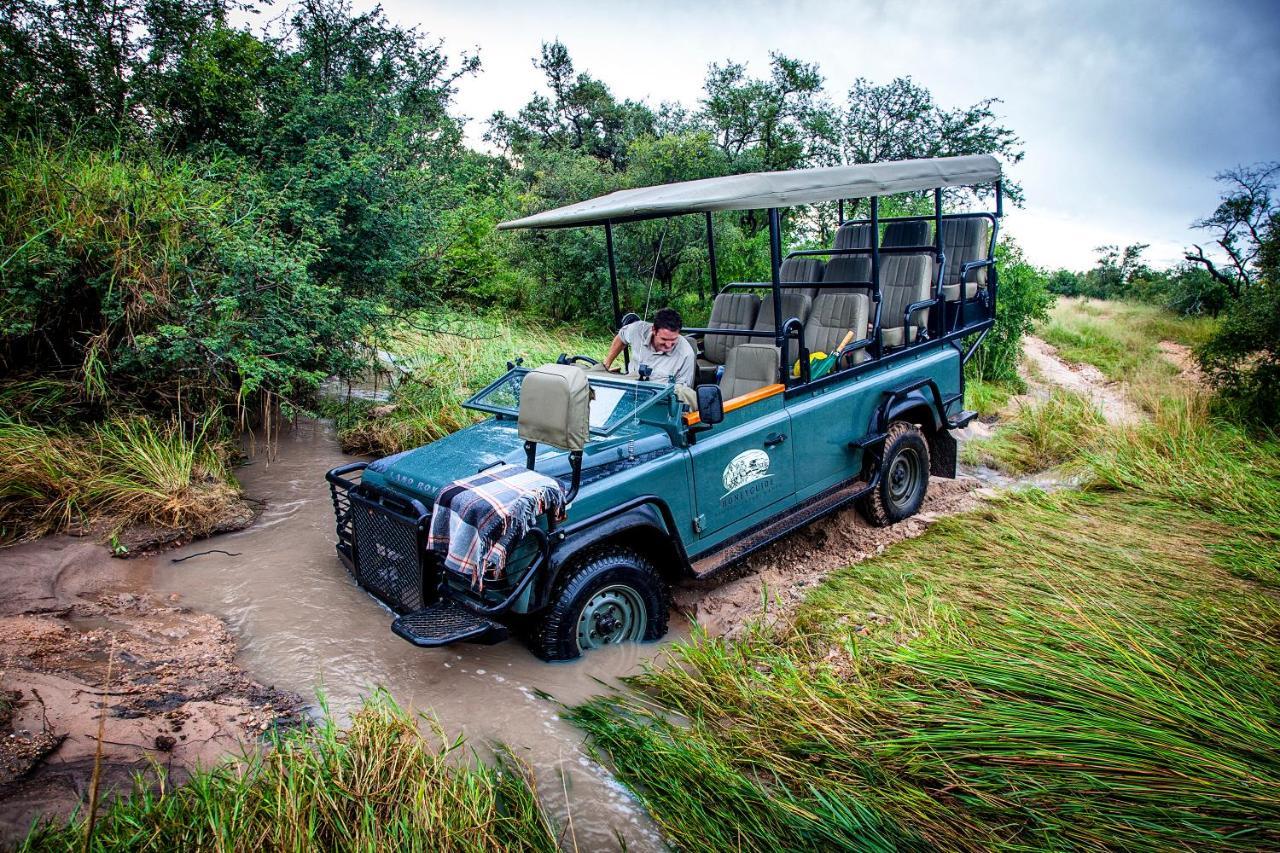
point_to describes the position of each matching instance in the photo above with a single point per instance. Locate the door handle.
(774, 440)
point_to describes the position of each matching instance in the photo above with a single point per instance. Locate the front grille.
(387, 554)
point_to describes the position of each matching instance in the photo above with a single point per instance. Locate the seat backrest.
(853, 269)
(963, 241)
(904, 279)
(801, 269)
(833, 316)
(729, 311)
(853, 235)
(793, 305)
(555, 406)
(749, 368)
(898, 235)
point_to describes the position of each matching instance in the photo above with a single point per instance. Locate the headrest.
(555, 406)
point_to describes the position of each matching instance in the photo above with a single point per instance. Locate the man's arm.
(614, 349)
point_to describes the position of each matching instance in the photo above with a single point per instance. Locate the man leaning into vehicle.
(660, 346)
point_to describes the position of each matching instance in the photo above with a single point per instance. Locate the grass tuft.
(377, 785)
(1040, 435)
(125, 471)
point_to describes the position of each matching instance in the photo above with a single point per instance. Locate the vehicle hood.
(422, 472)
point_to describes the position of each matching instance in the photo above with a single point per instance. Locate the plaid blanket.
(478, 519)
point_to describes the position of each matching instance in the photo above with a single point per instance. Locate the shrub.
(1023, 301)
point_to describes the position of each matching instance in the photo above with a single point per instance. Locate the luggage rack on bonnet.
(382, 542)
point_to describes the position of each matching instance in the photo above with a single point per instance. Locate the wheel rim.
(904, 476)
(613, 615)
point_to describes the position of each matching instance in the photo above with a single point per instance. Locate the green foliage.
(1243, 357)
(1023, 300)
(1039, 435)
(379, 784)
(446, 362)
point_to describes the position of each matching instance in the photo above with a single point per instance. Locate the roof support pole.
(875, 270)
(613, 274)
(999, 200)
(840, 213)
(775, 271)
(711, 255)
(939, 314)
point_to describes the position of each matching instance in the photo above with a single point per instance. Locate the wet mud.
(83, 643)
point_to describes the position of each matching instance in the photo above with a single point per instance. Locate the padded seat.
(853, 235)
(900, 235)
(847, 268)
(964, 241)
(834, 315)
(750, 368)
(793, 305)
(802, 270)
(904, 279)
(729, 311)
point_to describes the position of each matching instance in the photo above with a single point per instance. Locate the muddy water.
(303, 625)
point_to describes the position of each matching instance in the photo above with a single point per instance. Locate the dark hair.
(668, 318)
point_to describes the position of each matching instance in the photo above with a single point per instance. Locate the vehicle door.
(742, 468)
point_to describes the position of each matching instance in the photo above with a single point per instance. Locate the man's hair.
(669, 319)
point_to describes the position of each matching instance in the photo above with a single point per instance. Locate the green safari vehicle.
(657, 491)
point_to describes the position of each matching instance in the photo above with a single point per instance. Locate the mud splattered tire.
(904, 479)
(613, 595)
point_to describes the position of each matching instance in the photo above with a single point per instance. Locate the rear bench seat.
(964, 241)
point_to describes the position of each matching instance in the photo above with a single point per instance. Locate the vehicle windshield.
(613, 401)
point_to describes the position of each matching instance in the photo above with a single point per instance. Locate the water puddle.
(302, 624)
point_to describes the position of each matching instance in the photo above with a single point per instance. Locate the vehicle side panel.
(826, 419)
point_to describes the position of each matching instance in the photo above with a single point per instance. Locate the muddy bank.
(175, 697)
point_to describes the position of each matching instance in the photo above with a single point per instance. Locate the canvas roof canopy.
(760, 190)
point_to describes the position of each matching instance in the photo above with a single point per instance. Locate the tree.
(581, 114)
(768, 124)
(900, 120)
(1245, 211)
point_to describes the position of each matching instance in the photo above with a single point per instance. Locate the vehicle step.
(756, 538)
(447, 622)
(962, 420)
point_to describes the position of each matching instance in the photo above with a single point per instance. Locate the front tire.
(613, 595)
(904, 478)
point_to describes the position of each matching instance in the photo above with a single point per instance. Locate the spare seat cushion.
(555, 404)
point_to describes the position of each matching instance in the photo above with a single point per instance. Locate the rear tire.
(904, 477)
(613, 595)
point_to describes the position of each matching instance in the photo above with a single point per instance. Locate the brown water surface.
(303, 625)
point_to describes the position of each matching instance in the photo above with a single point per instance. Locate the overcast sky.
(1127, 109)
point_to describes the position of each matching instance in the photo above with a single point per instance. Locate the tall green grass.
(1092, 669)
(124, 471)
(377, 785)
(1039, 435)
(465, 349)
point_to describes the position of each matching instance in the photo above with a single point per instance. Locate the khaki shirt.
(681, 362)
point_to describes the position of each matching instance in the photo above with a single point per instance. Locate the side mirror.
(710, 404)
